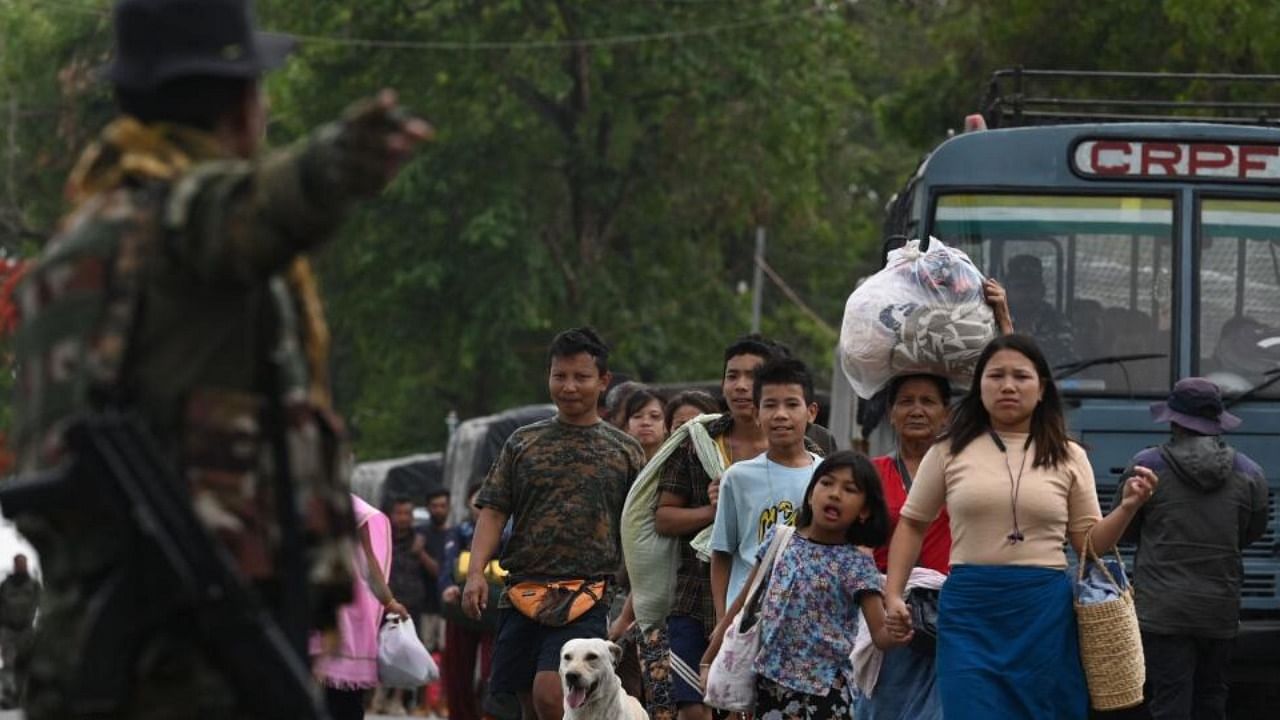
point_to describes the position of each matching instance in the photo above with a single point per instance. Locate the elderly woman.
(906, 686)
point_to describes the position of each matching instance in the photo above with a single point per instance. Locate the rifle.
(178, 572)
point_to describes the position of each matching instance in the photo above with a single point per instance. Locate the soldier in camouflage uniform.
(562, 482)
(178, 290)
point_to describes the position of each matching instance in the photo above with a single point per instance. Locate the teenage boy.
(687, 504)
(769, 489)
(562, 482)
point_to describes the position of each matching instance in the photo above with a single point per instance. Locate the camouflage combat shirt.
(563, 486)
(169, 291)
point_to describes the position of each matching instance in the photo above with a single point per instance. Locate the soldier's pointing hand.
(363, 152)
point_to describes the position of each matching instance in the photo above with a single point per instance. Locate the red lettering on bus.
(1249, 152)
(1162, 159)
(1209, 157)
(1101, 146)
(1165, 155)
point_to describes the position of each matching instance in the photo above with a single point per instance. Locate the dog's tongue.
(577, 696)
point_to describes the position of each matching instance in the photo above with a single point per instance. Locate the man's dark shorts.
(525, 648)
(687, 646)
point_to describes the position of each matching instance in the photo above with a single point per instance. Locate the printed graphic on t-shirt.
(785, 511)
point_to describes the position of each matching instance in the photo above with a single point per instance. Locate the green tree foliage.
(585, 175)
(962, 41)
(50, 106)
(605, 162)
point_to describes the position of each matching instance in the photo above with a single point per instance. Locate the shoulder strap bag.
(731, 682)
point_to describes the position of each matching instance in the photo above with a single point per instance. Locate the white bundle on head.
(925, 312)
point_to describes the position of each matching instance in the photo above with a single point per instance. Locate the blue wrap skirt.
(1008, 646)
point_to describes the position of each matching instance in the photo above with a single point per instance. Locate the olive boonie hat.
(162, 40)
(1196, 404)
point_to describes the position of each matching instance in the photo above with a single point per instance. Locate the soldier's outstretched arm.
(237, 221)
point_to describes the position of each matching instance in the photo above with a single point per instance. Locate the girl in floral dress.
(819, 584)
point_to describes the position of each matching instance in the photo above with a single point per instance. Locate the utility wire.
(605, 41)
(467, 46)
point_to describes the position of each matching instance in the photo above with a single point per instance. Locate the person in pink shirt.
(349, 670)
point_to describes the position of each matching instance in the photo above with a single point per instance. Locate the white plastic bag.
(403, 662)
(925, 312)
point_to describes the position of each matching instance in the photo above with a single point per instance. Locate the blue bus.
(1138, 253)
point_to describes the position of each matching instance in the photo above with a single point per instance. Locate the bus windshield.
(1239, 293)
(1089, 277)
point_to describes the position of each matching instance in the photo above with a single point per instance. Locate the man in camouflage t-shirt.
(562, 482)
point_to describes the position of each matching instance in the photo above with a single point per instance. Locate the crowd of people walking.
(173, 324)
(974, 518)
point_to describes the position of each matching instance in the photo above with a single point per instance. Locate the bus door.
(1238, 347)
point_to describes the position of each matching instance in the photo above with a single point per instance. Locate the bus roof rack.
(1018, 97)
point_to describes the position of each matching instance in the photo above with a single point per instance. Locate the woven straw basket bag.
(1110, 643)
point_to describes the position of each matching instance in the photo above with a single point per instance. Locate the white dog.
(592, 690)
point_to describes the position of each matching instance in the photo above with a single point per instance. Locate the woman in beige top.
(1017, 489)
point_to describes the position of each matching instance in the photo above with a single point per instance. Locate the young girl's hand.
(884, 623)
(897, 619)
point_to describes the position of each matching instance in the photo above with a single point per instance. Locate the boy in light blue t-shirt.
(757, 494)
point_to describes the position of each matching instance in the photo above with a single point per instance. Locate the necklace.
(1015, 485)
(762, 528)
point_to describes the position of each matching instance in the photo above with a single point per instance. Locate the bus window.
(1239, 292)
(1089, 277)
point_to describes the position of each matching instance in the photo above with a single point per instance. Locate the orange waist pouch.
(556, 602)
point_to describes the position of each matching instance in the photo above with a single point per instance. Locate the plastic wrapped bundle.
(923, 313)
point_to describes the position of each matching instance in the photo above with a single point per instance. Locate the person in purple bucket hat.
(1210, 503)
